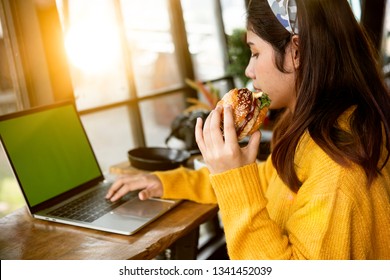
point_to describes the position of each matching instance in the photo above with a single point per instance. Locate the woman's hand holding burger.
(238, 114)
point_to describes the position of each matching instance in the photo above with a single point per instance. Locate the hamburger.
(249, 110)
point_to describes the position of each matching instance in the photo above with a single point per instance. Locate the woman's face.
(266, 76)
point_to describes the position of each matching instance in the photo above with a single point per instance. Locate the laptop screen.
(48, 150)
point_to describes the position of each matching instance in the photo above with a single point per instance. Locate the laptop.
(59, 175)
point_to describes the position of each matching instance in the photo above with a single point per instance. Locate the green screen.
(49, 151)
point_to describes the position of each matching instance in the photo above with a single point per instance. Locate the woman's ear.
(295, 50)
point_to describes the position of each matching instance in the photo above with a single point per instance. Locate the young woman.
(324, 193)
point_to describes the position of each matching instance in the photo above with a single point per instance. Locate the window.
(7, 93)
(134, 57)
(127, 62)
(10, 196)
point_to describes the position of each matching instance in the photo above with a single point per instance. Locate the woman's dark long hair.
(338, 69)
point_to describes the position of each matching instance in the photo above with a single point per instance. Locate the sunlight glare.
(93, 46)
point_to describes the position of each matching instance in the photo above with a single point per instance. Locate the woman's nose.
(249, 71)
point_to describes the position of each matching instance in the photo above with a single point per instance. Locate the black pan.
(157, 158)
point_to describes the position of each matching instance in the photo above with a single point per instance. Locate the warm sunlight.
(93, 45)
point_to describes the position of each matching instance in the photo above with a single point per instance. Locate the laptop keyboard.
(88, 207)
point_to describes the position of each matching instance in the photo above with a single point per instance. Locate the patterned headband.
(286, 12)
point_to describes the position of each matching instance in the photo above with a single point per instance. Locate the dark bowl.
(157, 158)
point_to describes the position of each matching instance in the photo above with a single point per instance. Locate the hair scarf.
(286, 13)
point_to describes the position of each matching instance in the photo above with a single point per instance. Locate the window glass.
(222, 87)
(10, 195)
(95, 53)
(234, 15)
(149, 39)
(7, 93)
(205, 39)
(109, 132)
(158, 115)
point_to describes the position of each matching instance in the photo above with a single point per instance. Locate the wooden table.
(23, 237)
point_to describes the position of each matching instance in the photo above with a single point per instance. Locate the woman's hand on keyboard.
(149, 184)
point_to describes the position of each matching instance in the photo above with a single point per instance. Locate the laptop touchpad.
(143, 208)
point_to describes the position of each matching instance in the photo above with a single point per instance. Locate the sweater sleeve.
(183, 183)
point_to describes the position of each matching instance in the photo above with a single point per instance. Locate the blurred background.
(125, 63)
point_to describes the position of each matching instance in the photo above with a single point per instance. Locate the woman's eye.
(255, 55)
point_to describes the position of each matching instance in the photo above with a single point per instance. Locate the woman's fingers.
(223, 152)
(228, 126)
(118, 193)
(207, 131)
(152, 191)
(115, 187)
(215, 128)
(253, 146)
(199, 134)
(209, 137)
(149, 185)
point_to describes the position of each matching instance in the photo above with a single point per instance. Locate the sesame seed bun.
(248, 114)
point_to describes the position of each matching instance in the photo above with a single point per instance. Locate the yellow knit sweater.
(333, 216)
